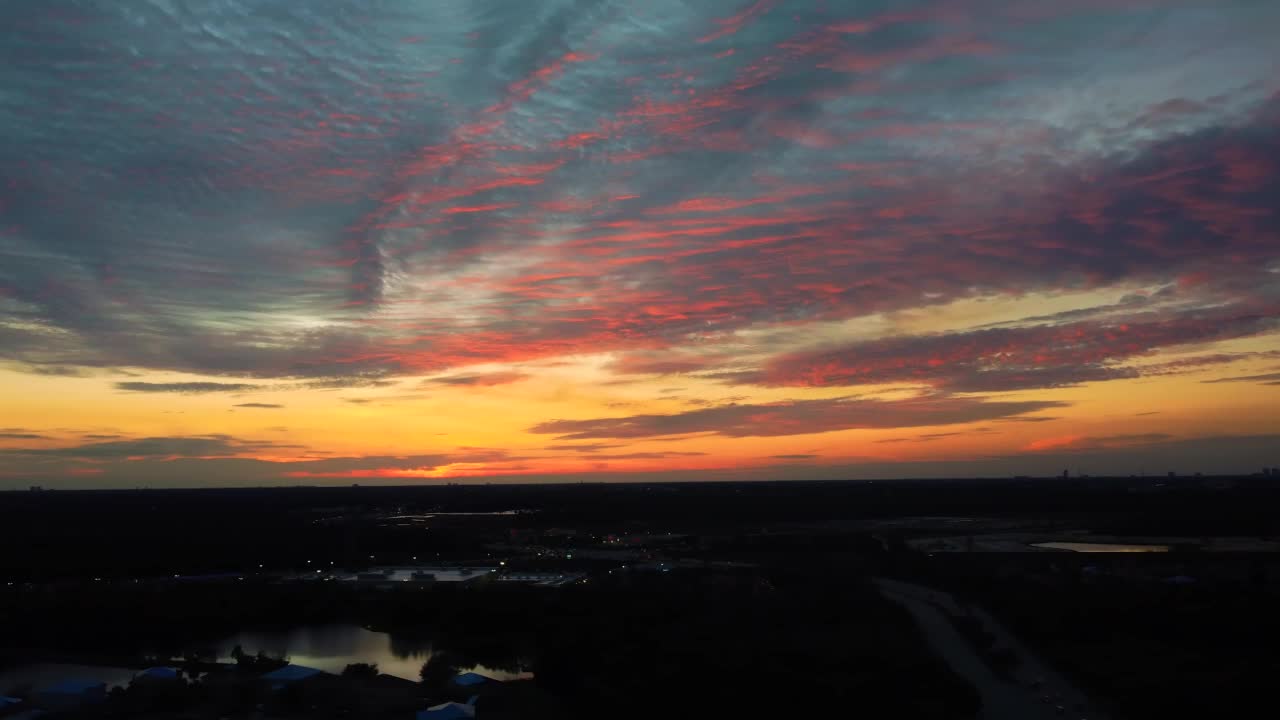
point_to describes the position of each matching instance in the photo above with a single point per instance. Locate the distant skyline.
(245, 242)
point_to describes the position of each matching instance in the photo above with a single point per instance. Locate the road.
(1002, 699)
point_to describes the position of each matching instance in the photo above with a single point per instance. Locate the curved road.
(1002, 699)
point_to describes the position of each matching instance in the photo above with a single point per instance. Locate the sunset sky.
(255, 242)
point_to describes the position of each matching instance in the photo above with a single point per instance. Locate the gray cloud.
(150, 447)
(1093, 443)
(930, 437)
(794, 418)
(264, 406)
(186, 388)
(1266, 379)
(583, 447)
(59, 371)
(479, 379)
(1015, 358)
(657, 455)
(342, 383)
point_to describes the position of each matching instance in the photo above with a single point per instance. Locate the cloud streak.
(800, 417)
(186, 388)
(995, 359)
(479, 379)
(1264, 379)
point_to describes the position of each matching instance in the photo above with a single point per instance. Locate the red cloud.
(735, 22)
(1008, 358)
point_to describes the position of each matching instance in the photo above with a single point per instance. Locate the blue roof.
(290, 673)
(159, 673)
(448, 711)
(469, 678)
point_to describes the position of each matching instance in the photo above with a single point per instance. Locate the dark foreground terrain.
(708, 600)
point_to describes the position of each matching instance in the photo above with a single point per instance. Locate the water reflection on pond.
(333, 647)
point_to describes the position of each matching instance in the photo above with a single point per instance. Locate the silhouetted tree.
(438, 670)
(361, 671)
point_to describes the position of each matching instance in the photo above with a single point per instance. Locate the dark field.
(747, 600)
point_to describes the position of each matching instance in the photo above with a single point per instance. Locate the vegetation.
(256, 664)
(704, 644)
(797, 634)
(1125, 639)
(437, 671)
(361, 671)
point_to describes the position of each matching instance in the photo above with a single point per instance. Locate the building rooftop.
(468, 679)
(291, 673)
(448, 711)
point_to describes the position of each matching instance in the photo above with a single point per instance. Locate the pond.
(332, 647)
(324, 647)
